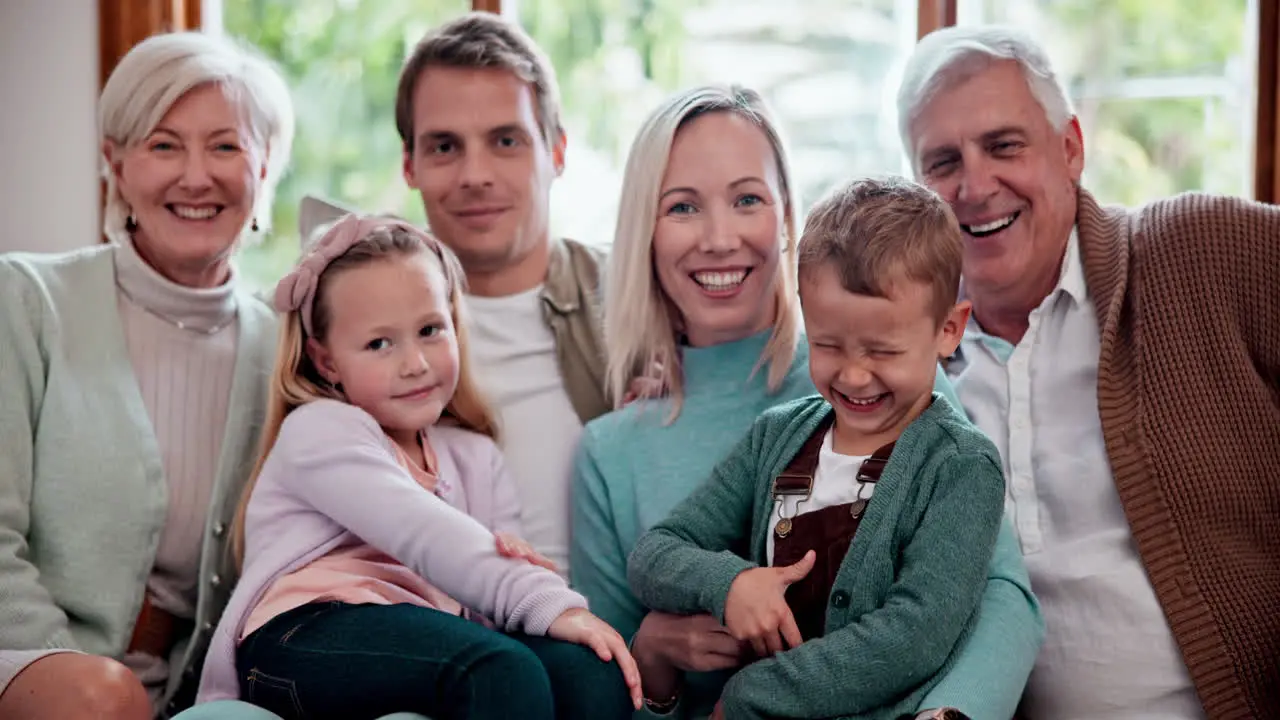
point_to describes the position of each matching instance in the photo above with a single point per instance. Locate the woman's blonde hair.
(640, 321)
(295, 381)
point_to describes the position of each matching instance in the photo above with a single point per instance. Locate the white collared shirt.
(1108, 650)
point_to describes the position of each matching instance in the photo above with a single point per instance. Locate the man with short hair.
(478, 111)
(1126, 362)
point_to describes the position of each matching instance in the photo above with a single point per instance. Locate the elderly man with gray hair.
(1126, 362)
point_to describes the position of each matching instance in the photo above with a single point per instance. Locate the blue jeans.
(335, 660)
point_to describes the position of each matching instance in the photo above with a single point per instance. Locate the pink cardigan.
(332, 479)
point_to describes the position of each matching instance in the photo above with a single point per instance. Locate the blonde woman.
(133, 378)
(702, 302)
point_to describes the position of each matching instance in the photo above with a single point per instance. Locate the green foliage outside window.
(616, 58)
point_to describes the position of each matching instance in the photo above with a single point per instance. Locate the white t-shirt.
(515, 361)
(834, 483)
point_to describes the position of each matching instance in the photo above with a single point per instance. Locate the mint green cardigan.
(905, 597)
(82, 490)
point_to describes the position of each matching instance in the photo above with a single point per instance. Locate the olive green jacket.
(571, 307)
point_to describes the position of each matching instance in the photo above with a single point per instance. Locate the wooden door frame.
(125, 23)
(1266, 165)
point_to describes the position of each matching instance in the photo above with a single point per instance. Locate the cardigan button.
(215, 580)
(840, 599)
(219, 530)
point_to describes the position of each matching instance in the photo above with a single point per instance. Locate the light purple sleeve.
(336, 459)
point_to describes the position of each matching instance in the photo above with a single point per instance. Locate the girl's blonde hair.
(295, 381)
(640, 321)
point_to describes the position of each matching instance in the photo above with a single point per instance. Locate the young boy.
(847, 537)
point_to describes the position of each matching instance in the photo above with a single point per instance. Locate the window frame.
(124, 23)
(1266, 160)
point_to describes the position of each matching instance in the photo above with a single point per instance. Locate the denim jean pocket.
(277, 694)
(285, 625)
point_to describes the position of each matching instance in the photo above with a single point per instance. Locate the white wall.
(49, 191)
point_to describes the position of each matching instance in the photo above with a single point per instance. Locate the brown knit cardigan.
(1187, 291)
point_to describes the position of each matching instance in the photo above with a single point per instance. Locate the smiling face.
(718, 235)
(484, 170)
(390, 341)
(874, 358)
(190, 186)
(986, 146)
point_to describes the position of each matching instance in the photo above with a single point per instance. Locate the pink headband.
(297, 290)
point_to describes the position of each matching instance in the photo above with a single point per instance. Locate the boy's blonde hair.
(481, 40)
(295, 381)
(875, 231)
(639, 318)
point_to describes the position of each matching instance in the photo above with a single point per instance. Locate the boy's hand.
(578, 625)
(756, 609)
(517, 548)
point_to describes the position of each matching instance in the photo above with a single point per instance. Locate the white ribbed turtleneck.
(182, 344)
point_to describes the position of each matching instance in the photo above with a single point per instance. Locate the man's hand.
(516, 548)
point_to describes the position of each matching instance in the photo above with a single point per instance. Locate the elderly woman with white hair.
(132, 387)
(702, 307)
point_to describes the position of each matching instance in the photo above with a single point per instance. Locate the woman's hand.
(579, 626)
(696, 643)
(667, 644)
(718, 712)
(518, 549)
(756, 609)
(647, 386)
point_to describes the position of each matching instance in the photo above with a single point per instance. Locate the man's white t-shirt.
(514, 354)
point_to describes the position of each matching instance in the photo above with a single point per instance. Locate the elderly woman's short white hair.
(950, 56)
(157, 72)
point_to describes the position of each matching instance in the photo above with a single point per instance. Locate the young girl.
(365, 532)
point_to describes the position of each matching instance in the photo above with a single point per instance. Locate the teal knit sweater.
(633, 469)
(905, 597)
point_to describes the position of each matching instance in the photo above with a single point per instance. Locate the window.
(827, 66)
(829, 69)
(1164, 91)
